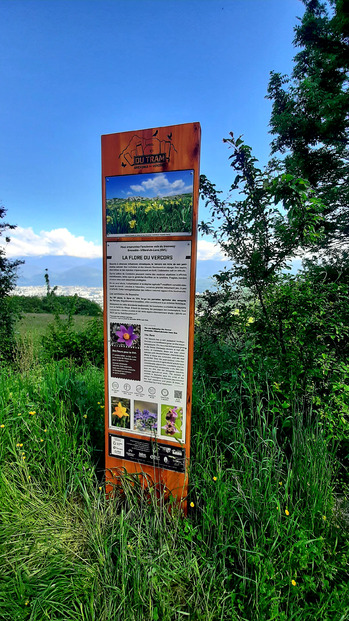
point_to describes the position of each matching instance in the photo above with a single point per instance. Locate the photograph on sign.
(120, 412)
(171, 420)
(125, 342)
(145, 417)
(148, 311)
(153, 203)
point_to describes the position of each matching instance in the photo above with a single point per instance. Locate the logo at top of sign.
(152, 150)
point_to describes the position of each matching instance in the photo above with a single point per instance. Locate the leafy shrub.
(292, 346)
(62, 341)
(8, 318)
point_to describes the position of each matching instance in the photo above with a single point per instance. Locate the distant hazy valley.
(78, 273)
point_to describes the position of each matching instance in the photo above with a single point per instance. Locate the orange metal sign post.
(150, 181)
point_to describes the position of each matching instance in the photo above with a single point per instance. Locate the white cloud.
(137, 188)
(161, 186)
(209, 250)
(25, 242)
(58, 242)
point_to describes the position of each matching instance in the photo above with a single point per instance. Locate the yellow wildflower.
(120, 411)
(293, 582)
(32, 413)
(85, 415)
(250, 320)
(280, 482)
(324, 518)
(287, 512)
(235, 311)
(45, 430)
(192, 504)
(215, 478)
(132, 224)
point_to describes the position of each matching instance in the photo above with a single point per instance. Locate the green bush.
(8, 318)
(62, 341)
(293, 346)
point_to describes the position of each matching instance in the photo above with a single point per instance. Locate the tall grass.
(264, 538)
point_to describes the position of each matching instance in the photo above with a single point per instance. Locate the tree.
(8, 275)
(310, 118)
(298, 203)
(261, 231)
(277, 215)
(287, 335)
(8, 269)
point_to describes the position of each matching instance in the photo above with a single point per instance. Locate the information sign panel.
(150, 182)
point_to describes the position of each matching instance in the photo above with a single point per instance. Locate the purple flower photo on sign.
(171, 420)
(126, 335)
(145, 420)
(145, 417)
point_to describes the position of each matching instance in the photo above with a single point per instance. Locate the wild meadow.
(266, 532)
(149, 215)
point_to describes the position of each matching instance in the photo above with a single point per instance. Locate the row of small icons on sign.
(151, 390)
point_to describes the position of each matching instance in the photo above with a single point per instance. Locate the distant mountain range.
(74, 271)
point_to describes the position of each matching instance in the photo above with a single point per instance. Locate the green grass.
(35, 324)
(266, 537)
(34, 328)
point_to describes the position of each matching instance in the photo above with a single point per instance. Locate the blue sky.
(150, 185)
(72, 70)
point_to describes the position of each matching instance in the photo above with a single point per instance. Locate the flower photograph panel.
(152, 203)
(120, 412)
(125, 334)
(145, 417)
(171, 421)
(125, 351)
